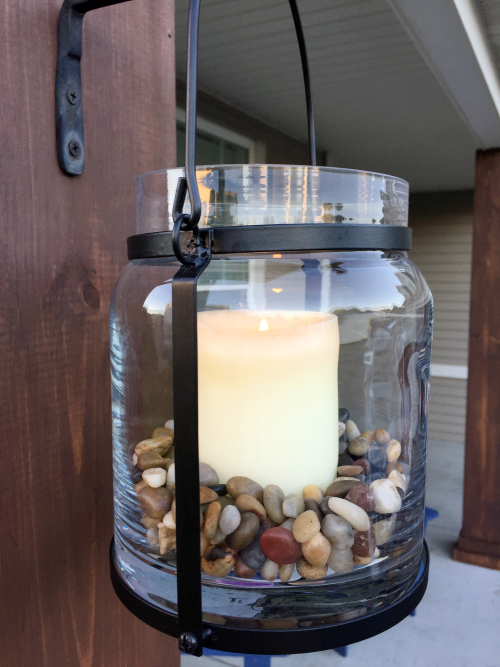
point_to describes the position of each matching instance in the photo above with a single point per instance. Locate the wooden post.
(479, 541)
(62, 246)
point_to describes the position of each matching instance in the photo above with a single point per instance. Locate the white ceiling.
(378, 105)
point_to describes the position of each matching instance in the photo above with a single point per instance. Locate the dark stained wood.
(479, 541)
(62, 245)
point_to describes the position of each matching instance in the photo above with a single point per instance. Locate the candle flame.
(264, 326)
(277, 256)
(277, 289)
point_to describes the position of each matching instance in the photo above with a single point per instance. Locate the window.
(214, 144)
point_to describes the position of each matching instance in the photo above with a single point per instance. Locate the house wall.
(442, 249)
(276, 147)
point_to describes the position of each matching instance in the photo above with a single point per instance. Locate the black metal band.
(278, 642)
(280, 238)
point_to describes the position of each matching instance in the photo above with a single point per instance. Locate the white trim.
(456, 49)
(220, 132)
(449, 371)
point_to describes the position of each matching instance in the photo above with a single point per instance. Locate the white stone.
(338, 531)
(230, 519)
(355, 515)
(352, 430)
(135, 459)
(383, 530)
(155, 477)
(341, 429)
(170, 424)
(269, 570)
(171, 477)
(286, 571)
(152, 535)
(387, 498)
(168, 521)
(398, 478)
(341, 561)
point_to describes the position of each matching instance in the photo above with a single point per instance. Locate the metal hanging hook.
(189, 222)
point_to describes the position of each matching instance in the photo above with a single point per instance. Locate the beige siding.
(442, 249)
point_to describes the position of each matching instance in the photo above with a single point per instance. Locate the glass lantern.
(313, 354)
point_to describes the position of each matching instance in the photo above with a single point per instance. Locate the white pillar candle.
(268, 396)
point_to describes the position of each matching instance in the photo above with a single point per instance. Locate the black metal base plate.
(278, 642)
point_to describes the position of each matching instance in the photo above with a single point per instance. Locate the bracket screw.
(74, 148)
(72, 96)
(188, 642)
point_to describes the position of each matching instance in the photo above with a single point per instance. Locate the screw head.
(72, 96)
(188, 642)
(74, 148)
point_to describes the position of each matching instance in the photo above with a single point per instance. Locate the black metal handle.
(69, 109)
(189, 223)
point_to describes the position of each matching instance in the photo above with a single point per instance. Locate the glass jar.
(313, 395)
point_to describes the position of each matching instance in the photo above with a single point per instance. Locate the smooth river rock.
(349, 471)
(363, 497)
(387, 498)
(155, 502)
(270, 570)
(218, 561)
(308, 571)
(293, 505)
(355, 515)
(236, 486)
(364, 542)
(279, 545)
(317, 550)
(305, 526)
(212, 516)
(273, 502)
(208, 476)
(247, 503)
(358, 446)
(383, 530)
(230, 519)
(253, 555)
(382, 437)
(155, 477)
(312, 491)
(351, 430)
(393, 451)
(245, 533)
(310, 504)
(338, 531)
(341, 486)
(341, 561)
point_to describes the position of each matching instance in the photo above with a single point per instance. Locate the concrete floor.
(457, 623)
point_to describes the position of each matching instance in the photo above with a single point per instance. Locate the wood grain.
(62, 244)
(479, 541)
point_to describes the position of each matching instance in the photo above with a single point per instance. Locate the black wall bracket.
(69, 107)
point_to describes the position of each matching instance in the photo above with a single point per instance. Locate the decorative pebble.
(168, 521)
(161, 444)
(349, 471)
(167, 539)
(377, 458)
(341, 486)
(396, 465)
(134, 459)
(308, 571)
(361, 560)
(161, 432)
(343, 415)
(364, 464)
(269, 571)
(338, 531)
(212, 516)
(382, 437)
(317, 550)
(149, 522)
(398, 479)
(340, 561)
(253, 555)
(324, 505)
(218, 561)
(229, 520)
(393, 451)
(172, 509)
(171, 477)
(208, 476)
(218, 538)
(288, 524)
(293, 505)
(238, 485)
(203, 543)
(346, 460)
(362, 496)
(155, 477)
(351, 430)
(220, 489)
(207, 495)
(376, 554)
(246, 503)
(387, 498)
(305, 526)
(286, 571)
(341, 429)
(169, 424)
(364, 542)
(152, 536)
(155, 502)
(310, 504)
(342, 446)
(273, 502)
(358, 446)
(369, 435)
(279, 545)
(356, 516)
(312, 491)
(242, 570)
(224, 501)
(140, 485)
(245, 532)
(148, 460)
(383, 530)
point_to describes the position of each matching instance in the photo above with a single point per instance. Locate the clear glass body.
(275, 407)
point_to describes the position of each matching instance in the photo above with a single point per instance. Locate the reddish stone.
(279, 545)
(363, 497)
(364, 464)
(242, 570)
(364, 542)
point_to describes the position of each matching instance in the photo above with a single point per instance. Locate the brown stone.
(207, 495)
(247, 503)
(218, 561)
(212, 519)
(308, 571)
(245, 533)
(236, 486)
(349, 471)
(340, 487)
(364, 542)
(317, 550)
(362, 496)
(242, 570)
(395, 465)
(155, 502)
(150, 459)
(279, 545)
(382, 437)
